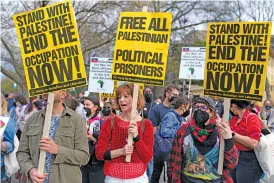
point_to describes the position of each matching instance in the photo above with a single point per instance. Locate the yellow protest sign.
(141, 47)
(50, 48)
(237, 59)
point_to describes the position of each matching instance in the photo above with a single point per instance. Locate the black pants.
(248, 169)
(91, 175)
(158, 164)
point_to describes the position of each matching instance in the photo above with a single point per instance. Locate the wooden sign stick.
(132, 117)
(47, 124)
(189, 87)
(100, 98)
(222, 143)
(133, 109)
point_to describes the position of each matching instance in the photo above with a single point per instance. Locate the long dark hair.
(96, 102)
(178, 101)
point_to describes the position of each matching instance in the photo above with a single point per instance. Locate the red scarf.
(199, 133)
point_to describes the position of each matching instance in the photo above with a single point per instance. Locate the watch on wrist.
(136, 139)
(233, 134)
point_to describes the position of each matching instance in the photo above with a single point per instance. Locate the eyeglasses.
(202, 108)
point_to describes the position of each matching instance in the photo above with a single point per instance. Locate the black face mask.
(186, 113)
(106, 111)
(88, 111)
(231, 113)
(148, 97)
(201, 117)
(268, 107)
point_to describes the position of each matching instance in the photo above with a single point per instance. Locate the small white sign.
(192, 63)
(100, 75)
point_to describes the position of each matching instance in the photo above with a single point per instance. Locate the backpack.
(265, 151)
(162, 145)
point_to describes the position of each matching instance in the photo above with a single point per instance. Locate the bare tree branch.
(11, 53)
(12, 76)
(188, 26)
(27, 7)
(98, 45)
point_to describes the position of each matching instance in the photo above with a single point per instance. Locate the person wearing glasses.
(195, 152)
(156, 115)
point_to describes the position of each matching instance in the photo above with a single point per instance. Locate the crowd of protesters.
(87, 140)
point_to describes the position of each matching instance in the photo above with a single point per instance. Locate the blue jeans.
(248, 169)
(150, 169)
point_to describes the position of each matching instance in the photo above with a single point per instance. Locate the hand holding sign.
(225, 130)
(37, 177)
(133, 128)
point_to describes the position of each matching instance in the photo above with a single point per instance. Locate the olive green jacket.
(71, 139)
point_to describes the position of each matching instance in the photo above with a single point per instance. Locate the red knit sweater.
(142, 154)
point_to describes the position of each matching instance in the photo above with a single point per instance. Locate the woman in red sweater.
(112, 144)
(246, 127)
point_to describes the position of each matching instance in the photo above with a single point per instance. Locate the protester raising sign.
(236, 59)
(141, 47)
(50, 49)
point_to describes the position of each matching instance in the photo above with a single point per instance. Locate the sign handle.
(222, 143)
(132, 117)
(100, 98)
(189, 87)
(47, 124)
(134, 107)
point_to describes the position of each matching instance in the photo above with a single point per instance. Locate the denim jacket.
(8, 139)
(170, 124)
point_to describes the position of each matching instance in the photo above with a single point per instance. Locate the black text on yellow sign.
(236, 60)
(50, 49)
(141, 47)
